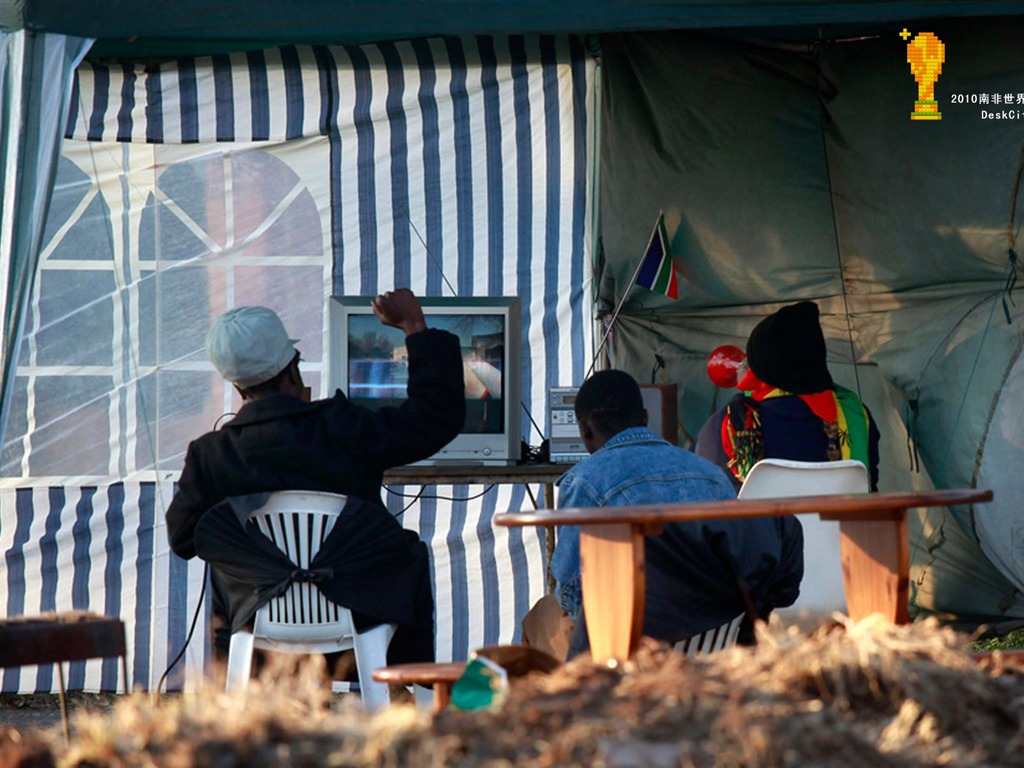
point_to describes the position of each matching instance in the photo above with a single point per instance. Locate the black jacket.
(366, 545)
(281, 443)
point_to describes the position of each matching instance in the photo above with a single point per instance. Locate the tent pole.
(595, 212)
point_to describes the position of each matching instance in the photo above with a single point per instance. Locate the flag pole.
(625, 294)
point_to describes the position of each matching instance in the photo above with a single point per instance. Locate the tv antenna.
(437, 264)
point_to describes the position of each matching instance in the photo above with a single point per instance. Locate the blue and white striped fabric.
(103, 550)
(207, 99)
(454, 164)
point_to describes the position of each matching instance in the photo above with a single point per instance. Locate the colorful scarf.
(843, 416)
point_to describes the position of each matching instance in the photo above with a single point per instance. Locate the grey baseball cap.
(249, 345)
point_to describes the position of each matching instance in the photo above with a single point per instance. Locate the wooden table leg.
(549, 538)
(63, 703)
(612, 576)
(549, 553)
(442, 696)
(876, 567)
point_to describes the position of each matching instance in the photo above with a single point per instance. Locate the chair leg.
(424, 697)
(372, 653)
(239, 661)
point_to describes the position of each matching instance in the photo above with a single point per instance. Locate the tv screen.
(378, 365)
(369, 362)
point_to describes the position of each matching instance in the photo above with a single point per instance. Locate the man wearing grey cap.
(277, 441)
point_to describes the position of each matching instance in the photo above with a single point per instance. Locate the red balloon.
(722, 365)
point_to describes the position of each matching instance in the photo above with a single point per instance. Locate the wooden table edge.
(849, 506)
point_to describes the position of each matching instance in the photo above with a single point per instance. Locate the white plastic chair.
(303, 620)
(711, 640)
(781, 478)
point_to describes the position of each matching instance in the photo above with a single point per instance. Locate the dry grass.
(868, 694)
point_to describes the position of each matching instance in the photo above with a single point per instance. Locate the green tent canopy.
(776, 138)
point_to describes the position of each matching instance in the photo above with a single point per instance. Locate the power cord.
(420, 495)
(404, 509)
(216, 424)
(532, 420)
(191, 631)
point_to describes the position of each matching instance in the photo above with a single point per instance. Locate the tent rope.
(835, 227)
(1011, 238)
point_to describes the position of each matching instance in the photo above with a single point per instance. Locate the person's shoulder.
(788, 405)
(658, 452)
(716, 417)
(204, 448)
(698, 467)
(336, 406)
(206, 439)
(844, 393)
(338, 399)
(691, 460)
(576, 471)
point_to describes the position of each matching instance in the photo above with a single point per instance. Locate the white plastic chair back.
(709, 641)
(821, 590)
(302, 619)
(779, 478)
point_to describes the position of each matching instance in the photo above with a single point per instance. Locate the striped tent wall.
(456, 166)
(101, 549)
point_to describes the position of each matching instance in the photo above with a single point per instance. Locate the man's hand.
(399, 308)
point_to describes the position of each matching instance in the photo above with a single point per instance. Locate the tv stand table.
(492, 474)
(479, 474)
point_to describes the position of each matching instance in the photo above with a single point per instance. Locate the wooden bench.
(516, 660)
(1009, 659)
(441, 675)
(874, 547)
(53, 638)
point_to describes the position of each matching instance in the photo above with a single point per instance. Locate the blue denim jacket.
(634, 467)
(699, 574)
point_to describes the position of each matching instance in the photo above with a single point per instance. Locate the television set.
(368, 362)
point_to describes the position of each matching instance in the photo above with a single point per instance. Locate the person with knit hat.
(789, 408)
(280, 441)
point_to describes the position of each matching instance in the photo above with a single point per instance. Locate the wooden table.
(440, 675)
(53, 638)
(874, 547)
(479, 474)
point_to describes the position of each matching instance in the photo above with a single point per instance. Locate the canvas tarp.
(786, 170)
(792, 171)
(133, 29)
(35, 86)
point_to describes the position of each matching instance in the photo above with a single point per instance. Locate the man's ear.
(591, 439)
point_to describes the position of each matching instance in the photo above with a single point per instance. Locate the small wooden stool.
(1009, 659)
(441, 675)
(53, 638)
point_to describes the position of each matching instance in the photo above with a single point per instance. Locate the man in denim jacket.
(700, 575)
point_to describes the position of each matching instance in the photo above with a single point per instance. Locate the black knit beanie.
(787, 350)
